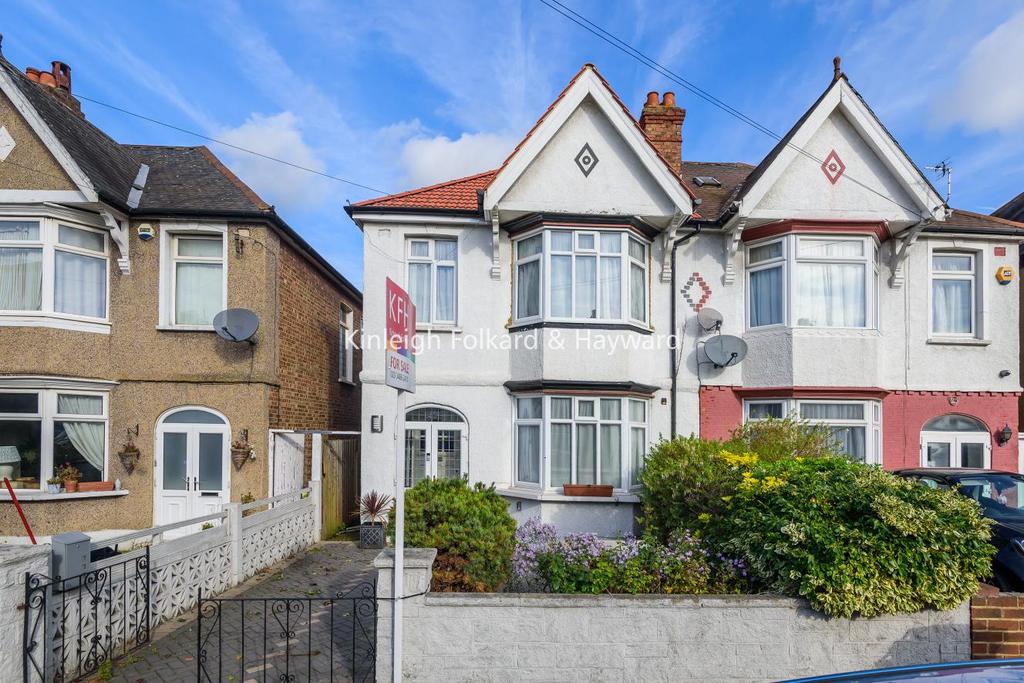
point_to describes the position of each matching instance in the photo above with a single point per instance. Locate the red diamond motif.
(833, 167)
(696, 292)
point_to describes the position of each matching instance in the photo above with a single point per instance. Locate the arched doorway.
(435, 439)
(955, 441)
(192, 472)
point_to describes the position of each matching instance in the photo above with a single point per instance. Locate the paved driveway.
(321, 571)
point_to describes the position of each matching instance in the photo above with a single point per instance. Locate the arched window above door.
(954, 423)
(955, 441)
(433, 414)
(194, 416)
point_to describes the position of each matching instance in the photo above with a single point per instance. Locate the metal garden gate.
(73, 625)
(288, 639)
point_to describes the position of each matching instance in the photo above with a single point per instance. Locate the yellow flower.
(737, 460)
(704, 516)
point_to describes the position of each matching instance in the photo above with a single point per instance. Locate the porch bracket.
(118, 233)
(495, 255)
(732, 238)
(897, 276)
(668, 238)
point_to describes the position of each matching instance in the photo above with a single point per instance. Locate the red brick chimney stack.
(663, 122)
(59, 79)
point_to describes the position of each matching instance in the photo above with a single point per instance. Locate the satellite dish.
(236, 324)
(709, 319)
(724, 350)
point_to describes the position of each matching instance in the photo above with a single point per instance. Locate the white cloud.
(277, 136)
(987, 95)
(432, 160)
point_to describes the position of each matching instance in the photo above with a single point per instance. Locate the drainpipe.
(674, 338)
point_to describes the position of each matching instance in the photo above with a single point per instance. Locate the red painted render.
(903, 415)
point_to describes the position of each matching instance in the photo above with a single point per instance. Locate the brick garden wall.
(997, 625)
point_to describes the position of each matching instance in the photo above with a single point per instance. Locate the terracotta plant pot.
(70, 486)
(593, 490)
(95, 486)
(239, 456)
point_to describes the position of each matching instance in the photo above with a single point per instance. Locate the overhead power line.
(623, 46)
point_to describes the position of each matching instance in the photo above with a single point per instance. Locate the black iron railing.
(288, 639)
(73, 625)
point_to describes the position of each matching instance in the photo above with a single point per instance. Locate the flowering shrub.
(581, 563)
(533, 539)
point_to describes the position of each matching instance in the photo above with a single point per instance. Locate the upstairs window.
(432, 278)
(345, 346)
(953, 276)
(50, 266)
(811, 281)
(581, 275)
(198, 274)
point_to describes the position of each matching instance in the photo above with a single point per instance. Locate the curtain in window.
(528, 460)
(80, 285)
(637, 292)
(586, 454)
(831, 295)
(611, 455)
(446, 250)
(561, 286)
(832, 411)
(637, 448)
(851, 441)
(87, 438)
(611, 287)
(21, 279)
(198, 293)
(446, 293)
(528, 286)
(766, 295)
(419, 290)
(951, 306)
(561, 454)
(586, 287)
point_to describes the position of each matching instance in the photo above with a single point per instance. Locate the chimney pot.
(61, 75)
(652, 99)
(47, 79)
(32, 73)
(669, 99)
(837, 69)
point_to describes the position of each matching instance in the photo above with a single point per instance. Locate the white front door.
(955, 449)
(434, 449)
(192, 470)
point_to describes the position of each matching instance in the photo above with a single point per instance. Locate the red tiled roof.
(458, 194)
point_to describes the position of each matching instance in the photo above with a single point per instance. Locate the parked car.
(1001, 497)
(988, 671)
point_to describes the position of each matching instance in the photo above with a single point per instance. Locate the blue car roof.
(882, 674)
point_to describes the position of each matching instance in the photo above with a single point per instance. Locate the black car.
(1001, 497)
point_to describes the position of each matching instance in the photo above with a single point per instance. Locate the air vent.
(710, 180)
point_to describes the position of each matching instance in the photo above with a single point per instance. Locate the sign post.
(400, 373)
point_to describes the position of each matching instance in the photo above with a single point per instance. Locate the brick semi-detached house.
(113, 261)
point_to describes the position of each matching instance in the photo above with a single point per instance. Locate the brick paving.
(319, 630)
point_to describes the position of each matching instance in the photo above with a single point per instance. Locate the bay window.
(953, 290)
(46, 429)
(579, 440)
(581, 275)
(432, 273)
(53, 268)
(856, 426)
(813, 281)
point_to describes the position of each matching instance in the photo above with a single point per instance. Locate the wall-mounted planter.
(593, 490)
(129, 457)
(240, 453)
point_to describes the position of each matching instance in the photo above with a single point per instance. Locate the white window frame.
(545, 257)
(872, 421)
(47, 416)
(972, 276)
(627, 477)
(346, 350)
(431, 258)
(49, 242)
(955, 440)
(791, 260)
(169, 259)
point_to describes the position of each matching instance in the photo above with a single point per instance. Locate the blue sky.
(398, 95)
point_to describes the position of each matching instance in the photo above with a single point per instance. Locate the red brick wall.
(310, 395)
(997, 625)
(721, 411)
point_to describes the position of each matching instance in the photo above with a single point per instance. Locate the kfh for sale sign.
(400, 358)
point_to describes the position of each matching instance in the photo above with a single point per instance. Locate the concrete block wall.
(467, 636)
(15, 561)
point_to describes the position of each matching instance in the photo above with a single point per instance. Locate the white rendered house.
(545, 306)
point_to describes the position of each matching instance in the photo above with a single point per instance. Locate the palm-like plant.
(375, 506)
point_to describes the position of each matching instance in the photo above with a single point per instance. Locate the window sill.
(185, 328)
(958, 341)
(43, 496)
(554, 497)
(55, 321)
(455, 329)
(347, 382)
(569, 325)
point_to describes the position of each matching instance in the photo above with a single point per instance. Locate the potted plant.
(70, 476)
(53, 484)
(240, 452)
(373, 513)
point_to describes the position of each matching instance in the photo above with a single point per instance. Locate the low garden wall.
(481, 636)
(997, 624)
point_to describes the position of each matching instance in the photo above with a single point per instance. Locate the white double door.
(955, 449)
(434, 449)
(192, 473)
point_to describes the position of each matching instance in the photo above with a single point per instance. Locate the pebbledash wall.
(474, 636)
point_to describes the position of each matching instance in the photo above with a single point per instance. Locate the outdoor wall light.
(1004, 435)
(376, 424)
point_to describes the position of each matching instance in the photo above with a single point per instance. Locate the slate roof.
(715, 201)
(1012, 210)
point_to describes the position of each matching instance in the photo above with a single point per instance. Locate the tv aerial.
(709, 319)
(725, 350)
(236, 325)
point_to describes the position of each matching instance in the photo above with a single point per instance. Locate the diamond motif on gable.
(586, 160)
(833, 167)
(6, 143)
(696, 292)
